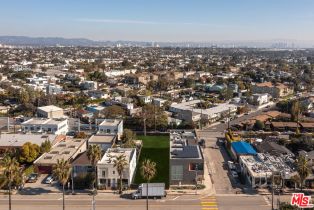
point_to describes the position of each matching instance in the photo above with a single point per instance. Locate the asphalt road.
(108, 202)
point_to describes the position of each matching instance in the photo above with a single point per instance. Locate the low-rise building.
(258, 169)
(68, 150)
(107, 174)
(275, 90)
(190, 111)
(186, 158)
(50, 111)
(260, 99)
(111, 126)
(44, 125)
(17, 140)
(104, 141)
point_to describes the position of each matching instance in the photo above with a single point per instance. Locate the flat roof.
(112, 153)
(184, 144)
(264, 164)
(110, 122)
(50, 108)
(17, 140)
(43, 121)
(189, 105)
(63, 150)
(101, 139)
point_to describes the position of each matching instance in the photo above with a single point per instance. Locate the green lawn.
(155, 148)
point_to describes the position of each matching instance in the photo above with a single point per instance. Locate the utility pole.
(229, 118)
(196, 168)
(272, 191)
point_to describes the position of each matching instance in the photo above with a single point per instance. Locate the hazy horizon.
(162, 21)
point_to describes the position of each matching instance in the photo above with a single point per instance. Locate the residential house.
(186, 158)
(107, 174)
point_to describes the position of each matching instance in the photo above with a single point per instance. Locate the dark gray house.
(186, 158)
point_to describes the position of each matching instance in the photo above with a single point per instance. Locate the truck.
(155, 190)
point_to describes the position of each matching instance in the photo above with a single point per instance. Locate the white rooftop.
(50, 108)
(112, 153)
(17, 140)
(63, 150)
(110, 122)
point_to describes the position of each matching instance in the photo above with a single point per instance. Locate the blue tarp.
(242, 147)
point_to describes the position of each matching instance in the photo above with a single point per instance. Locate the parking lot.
(40, 187)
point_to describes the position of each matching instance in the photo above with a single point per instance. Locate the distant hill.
(48, 41)
(58, 41)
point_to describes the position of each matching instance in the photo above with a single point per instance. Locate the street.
(113, 202)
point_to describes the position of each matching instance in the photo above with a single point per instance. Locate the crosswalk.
(209, 203)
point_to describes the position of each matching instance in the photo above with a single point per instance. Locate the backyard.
(155, 148)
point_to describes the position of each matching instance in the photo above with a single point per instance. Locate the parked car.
(32, 178)
(49, 179)
(234, 174)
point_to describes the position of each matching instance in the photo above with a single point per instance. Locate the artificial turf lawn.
(155, 148)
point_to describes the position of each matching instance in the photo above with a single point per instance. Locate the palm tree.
(148, 171)
(62, 171)
(11, 171)
(120, 163)
(303, 169)
(94, 155)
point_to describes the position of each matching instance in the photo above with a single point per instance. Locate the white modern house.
(111, 126)
(107, 174)
(260, 99)
(44, 125)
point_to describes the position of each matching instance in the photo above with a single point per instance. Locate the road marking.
(176, 198)
(209, 203)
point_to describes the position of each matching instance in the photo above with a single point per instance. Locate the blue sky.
(162, 20)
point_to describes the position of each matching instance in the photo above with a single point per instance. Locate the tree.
(128, 138)
(45, 146)
(295, 111)
(114, 111)
(80, 135)
(29, 152)
(154, 117)
(148, 171)
(120, 163)
(303, 169)
(11, 171)
(62, 171)
(259, 125)
(94, 155)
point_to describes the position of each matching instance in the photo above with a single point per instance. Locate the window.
(103, 173)
(113, 172)
(102, 181)
(195, 166)
(177, 172)
(108, 130)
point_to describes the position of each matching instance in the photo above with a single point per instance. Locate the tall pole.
(72, 177)
(147, 196)
(272, 191)
(229, 118)
(10, 194)
(196, 168)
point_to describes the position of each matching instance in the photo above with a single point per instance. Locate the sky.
(162, 20)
